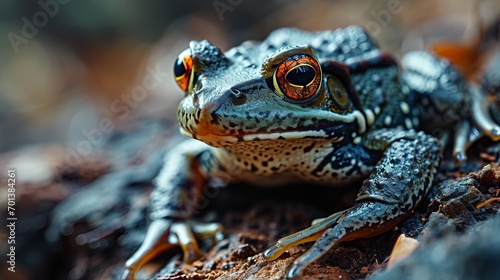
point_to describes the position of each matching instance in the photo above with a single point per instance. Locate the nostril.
(236, 92)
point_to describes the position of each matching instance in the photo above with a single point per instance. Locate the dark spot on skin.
(253, 168)
(215, 119)
(309, 148)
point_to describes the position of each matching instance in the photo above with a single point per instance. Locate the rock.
(474, 255)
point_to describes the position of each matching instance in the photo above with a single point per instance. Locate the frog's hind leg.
(447, 103)
(467, 134)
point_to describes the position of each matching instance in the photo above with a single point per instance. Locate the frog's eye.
(182, 69)
(298, 77)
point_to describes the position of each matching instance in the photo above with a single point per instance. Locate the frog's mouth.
(228, 140)
(333, 130)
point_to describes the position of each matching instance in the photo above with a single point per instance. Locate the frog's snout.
(201, 118)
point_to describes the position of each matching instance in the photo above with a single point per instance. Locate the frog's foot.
(346, 225)
(481, 115)
(312, 233)
(185, 235)
(164, 235)
(483, 124)
(463, 138)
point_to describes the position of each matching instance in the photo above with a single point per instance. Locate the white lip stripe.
(287, 135)
(268, 136)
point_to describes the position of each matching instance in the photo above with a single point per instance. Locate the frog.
(327, 108)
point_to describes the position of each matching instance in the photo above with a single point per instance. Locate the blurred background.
(78, 75)
(65, 62)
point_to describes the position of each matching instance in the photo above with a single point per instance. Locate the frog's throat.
(333, 133)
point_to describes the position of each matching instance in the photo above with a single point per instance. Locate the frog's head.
(254, 94)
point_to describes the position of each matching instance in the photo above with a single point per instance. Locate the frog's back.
(383, 93)
(341, 45)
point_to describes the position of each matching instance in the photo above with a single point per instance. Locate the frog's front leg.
(398, 183)
(175, 199)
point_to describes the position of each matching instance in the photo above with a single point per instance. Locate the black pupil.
(179, 68)
(301, 75)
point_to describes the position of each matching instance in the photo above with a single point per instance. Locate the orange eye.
(298, 77)
(182, 69)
